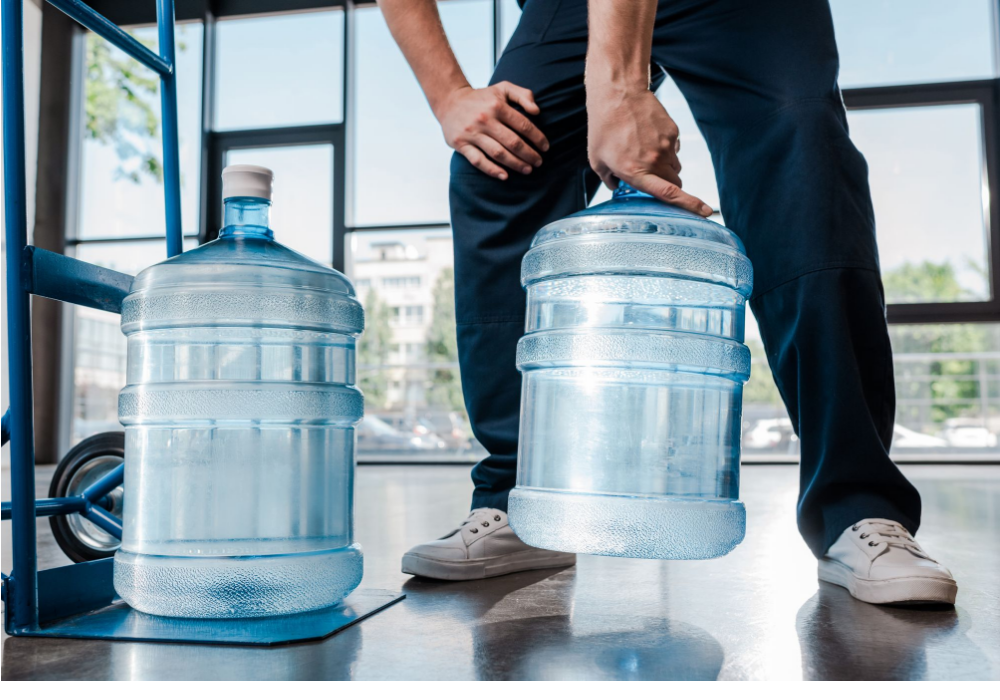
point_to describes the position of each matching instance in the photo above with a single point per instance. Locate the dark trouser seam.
(841, 265)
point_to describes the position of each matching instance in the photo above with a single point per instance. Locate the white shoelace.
(892, 535)
(479, 518)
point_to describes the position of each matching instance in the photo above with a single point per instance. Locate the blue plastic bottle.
(633, 368)
(239, 415)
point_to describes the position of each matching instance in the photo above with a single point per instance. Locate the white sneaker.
(482, 547)
(879, 562)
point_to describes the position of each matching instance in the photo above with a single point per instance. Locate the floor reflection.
(573, 624)
(549, 648)
(844, 639)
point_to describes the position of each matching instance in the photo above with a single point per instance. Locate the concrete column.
(50, 220)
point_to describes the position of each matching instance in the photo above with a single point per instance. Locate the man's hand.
(480, 124)
(630, 136)
(484, 127)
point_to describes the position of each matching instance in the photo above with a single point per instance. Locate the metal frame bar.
(100, 25)
(24, 576)
(171, 138)
(73, 281)
(30, 270)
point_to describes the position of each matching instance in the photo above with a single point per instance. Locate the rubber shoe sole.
(912, 590)
(487, 567)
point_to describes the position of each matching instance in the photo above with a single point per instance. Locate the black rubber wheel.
(87, 462)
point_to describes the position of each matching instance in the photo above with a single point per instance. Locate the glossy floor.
(757, 613)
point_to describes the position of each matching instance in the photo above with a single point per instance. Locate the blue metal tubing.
(22, 443)
(105, 485)
(104, 520)
(47, 507)
(171, 141)
(48, 274)
(99, 24)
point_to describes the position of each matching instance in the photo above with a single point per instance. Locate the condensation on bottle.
(239, 414)
(633, 367)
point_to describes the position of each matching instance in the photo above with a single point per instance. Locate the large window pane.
(947, 394)
(121, 177)
(926, 175)
(302, 215)
(401, 171)
(99, 346)
(407, 356)
(279, 70)
(947, 388)
(891, 42)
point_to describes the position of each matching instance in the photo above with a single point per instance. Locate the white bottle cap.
(247, 181)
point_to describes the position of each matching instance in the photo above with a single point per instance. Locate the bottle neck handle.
(247, 216)
(625, 190)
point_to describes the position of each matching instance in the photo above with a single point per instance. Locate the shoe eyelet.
(855, 528)
(497, 518)
(486, 523)
(873, 544)
(864, 535)
(473, 531)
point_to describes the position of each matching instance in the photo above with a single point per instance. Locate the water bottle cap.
(247, 181)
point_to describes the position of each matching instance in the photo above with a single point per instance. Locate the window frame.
(985, 94)
(214, 144)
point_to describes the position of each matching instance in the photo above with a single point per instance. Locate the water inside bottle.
(239, 410)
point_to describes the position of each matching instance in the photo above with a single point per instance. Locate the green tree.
(442, 347)
(927, 281)
(950, 379)
(760, 389)
(120, 107)
(373, 351)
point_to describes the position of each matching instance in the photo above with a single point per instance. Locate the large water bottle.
(633, 370)
(239, 415)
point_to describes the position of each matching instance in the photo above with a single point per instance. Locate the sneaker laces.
(474, 520)
(892, 535)
(480, 518)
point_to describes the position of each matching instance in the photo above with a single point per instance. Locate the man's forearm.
(621, 40)
(416, 27)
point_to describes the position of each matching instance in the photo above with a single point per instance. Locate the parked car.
(375, 435)
(968, 432)
(906, 439)
(450, 426)
(774, 434)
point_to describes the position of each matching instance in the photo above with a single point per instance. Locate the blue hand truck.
(78, 601)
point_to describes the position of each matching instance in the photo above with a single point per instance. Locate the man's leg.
(493, 223)
(761, 79)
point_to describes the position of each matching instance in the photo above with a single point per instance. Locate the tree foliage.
(373, 351)
(926, 281)
(445, 388)
(120, 107)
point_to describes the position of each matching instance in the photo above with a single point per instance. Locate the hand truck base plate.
(113, 619)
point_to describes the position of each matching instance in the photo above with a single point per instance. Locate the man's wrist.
(440, 99)
(607, 79)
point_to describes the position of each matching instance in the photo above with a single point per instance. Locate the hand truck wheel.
(87, 462)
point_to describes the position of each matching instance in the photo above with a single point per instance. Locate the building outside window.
(361, 183)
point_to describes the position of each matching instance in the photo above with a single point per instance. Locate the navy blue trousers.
(760, 77)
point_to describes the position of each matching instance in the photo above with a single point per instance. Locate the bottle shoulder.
(637, 215)
(239, 261)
